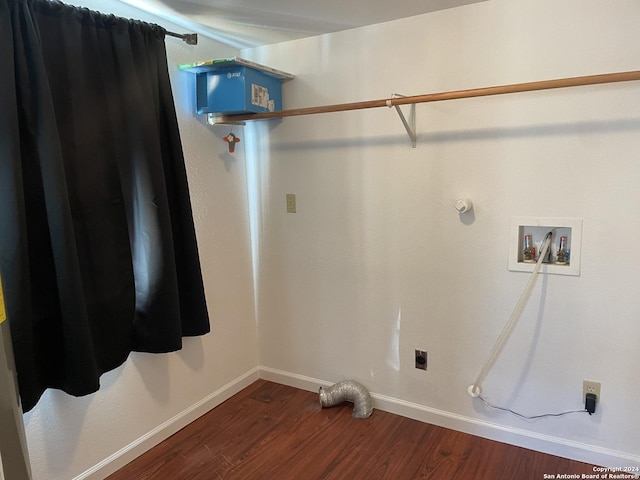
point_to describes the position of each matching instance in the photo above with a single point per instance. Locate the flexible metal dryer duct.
(348, 391)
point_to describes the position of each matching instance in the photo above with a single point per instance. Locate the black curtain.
(98, 254)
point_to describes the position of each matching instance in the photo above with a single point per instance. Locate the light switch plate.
(291, 203)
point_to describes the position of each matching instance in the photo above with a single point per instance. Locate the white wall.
(68, 436)
(376, 262)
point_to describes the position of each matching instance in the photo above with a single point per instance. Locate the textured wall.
(377, 262)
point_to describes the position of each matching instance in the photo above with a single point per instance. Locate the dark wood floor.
(271, 431)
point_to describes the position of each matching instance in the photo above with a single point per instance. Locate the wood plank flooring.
(271, 431)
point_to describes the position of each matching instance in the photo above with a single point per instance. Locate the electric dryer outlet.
(421, 359)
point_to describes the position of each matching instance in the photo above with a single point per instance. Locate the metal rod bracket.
(188, 38)
(410, 125)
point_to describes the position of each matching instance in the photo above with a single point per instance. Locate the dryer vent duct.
(348, 391)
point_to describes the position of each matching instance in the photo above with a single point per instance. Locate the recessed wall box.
(233, 86)
(537, 228)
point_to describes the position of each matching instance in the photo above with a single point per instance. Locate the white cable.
(475, 390)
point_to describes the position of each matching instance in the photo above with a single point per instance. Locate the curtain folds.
(97, 244)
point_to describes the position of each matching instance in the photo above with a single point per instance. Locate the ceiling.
(252, 23)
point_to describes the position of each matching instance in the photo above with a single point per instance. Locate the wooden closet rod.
(436, 97)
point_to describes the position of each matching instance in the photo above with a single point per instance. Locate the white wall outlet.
(538, 227)
(589, 386)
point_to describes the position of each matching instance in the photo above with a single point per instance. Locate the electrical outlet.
(589, 386)
(421, 359)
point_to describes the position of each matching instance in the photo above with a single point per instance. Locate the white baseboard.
(522, 438)
(514, 436)
(130, 452)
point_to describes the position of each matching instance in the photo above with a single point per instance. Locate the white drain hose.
(475, 390)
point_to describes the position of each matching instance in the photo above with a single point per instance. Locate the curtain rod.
(434, 97)
(189, 38)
